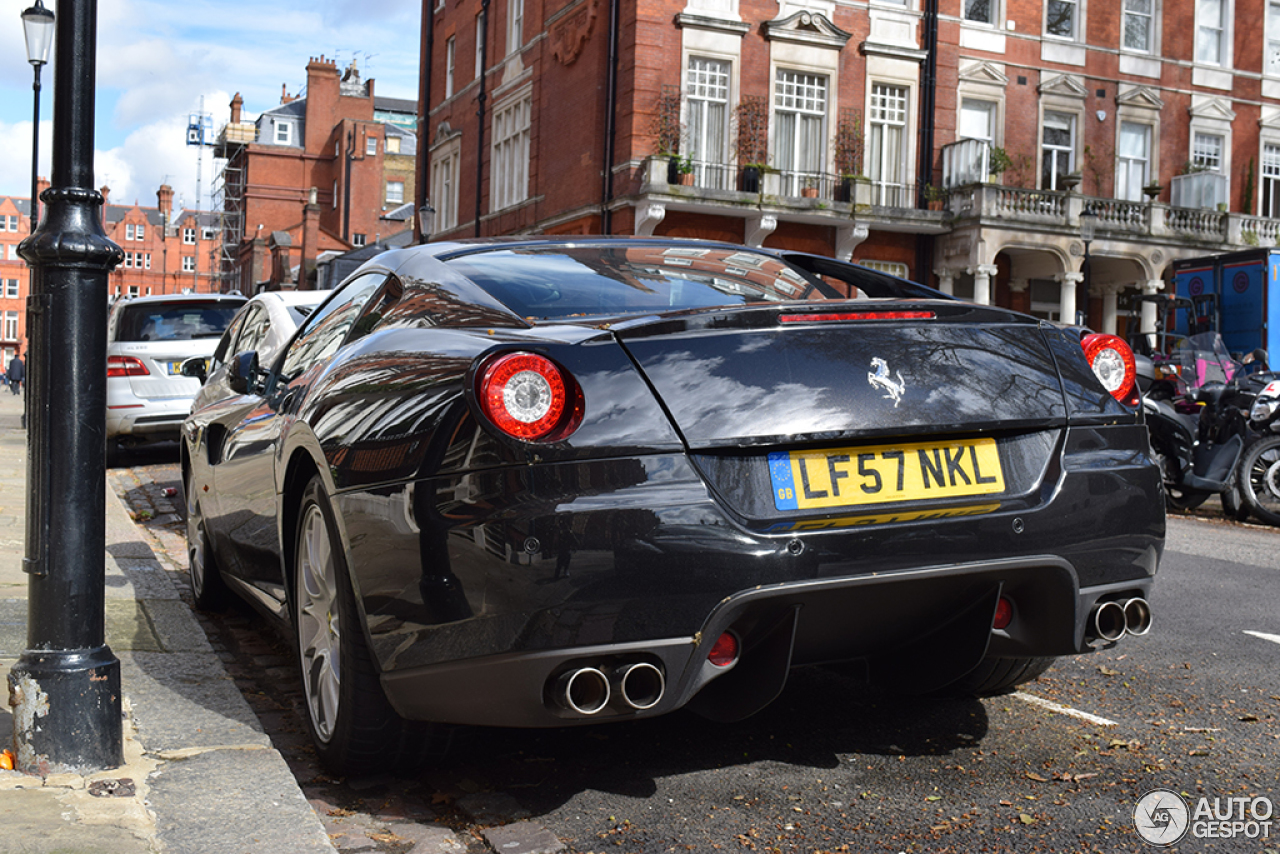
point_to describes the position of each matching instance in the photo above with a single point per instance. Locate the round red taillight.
(1113, 365)
(724, 651)
(527, 396)
(1004, 613)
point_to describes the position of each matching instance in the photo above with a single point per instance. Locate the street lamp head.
(426, 220)
(37, 25)
(1088, 222)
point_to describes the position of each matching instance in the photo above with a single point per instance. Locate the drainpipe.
(346, 188)
(424, 120)
(928, 106)
(480, 99)
(610, 121)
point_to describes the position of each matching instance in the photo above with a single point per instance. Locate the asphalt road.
(1192, 708)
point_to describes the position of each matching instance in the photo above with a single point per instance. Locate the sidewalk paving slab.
(200, 775)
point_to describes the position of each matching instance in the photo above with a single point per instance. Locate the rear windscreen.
(175, 322)
(567, 281)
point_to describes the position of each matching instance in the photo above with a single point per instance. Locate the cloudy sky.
(157, 60)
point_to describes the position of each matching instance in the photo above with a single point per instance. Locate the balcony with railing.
(780, 186)
(1197, 213)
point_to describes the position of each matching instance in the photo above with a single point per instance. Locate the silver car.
(148, 339)
(263, 326)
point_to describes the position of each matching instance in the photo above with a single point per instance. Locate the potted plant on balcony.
(809, 187)
(751, 116)
(934, 197)
(684, 170)
(847, 145)
(668, 130)
(1152, 191)
(997, 162)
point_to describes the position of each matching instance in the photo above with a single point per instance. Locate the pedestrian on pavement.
(17, 373)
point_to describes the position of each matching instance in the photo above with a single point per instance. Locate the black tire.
(1000, 676)
(207, 587)
(1181, 502)
(1233, 503)
(354, 728)
(1175, 498)
(1259, 480)
(1233, 506)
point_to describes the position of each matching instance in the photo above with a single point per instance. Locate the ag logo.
(1162, 817)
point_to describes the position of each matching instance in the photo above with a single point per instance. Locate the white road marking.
(1264, 636)
(1063, 710)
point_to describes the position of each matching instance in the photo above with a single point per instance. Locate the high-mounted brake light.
(856, 315)
(126, 366)
(1113, 365)
(529, 397)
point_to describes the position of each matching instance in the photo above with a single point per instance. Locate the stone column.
(1147, 325)
(1109, 294)
(946, 280)
(1067, 296)
(982, 274)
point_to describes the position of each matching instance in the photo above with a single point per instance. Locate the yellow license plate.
(850, 477)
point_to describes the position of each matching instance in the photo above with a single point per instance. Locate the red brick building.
(319, 173)
(15, 278)
(164, 253)
(956, 142)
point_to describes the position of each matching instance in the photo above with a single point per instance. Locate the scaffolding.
(229, 199)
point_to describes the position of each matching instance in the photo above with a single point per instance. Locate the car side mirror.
(196, 368)
(243, 373)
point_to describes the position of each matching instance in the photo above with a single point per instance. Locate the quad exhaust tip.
(1137, 616)
(1113, 620)
(633, 686)
(639, 685)
(585, 690)
(1109, 621)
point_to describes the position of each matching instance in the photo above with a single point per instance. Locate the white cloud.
(155, 58)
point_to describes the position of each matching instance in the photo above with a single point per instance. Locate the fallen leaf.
(1248, 718)
(1107, 671)
(933, 798)
(1031, 775)
(1026, 819)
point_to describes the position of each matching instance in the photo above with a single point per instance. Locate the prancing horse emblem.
(880, 379)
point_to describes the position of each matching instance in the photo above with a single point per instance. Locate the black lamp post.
(65, 688)
(1088, 227)
(37, 26)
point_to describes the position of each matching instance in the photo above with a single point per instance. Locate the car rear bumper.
(918, 630)
(481, 590)
(146, 420)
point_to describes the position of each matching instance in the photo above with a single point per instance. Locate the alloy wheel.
(319, 628)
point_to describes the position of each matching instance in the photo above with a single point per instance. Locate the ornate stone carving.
(570, 33)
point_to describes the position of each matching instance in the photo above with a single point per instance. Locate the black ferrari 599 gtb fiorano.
(546, 482)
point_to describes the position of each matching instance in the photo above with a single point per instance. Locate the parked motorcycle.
(1195, 402)
(1258, 477)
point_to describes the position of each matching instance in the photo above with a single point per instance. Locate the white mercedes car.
(148, 339)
